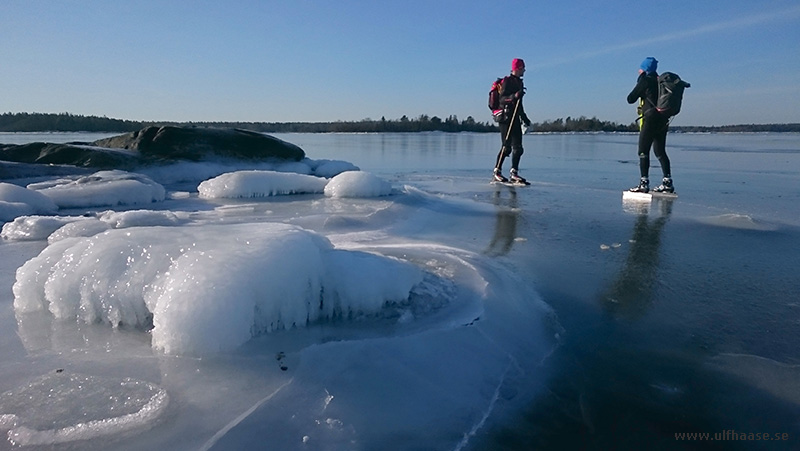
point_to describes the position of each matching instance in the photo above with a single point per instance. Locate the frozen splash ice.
(212, 288)
(17, 201)
(357, 184)
(62, 407)
(101, 188)
(247, 184)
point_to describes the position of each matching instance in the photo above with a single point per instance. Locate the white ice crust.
(208, 289)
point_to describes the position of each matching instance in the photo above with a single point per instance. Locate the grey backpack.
(670, 93)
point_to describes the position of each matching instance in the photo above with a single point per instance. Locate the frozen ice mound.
(61, 407)
(103, 188)
(331, 168)
(260, 183)
(18, 201)
(357, 184)
(212, 288)
(247, 184)
(55, 228)
(34, 227)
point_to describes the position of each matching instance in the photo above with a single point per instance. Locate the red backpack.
(494, 101)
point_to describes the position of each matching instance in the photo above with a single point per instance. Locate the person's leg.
(516, 147)
(645, 142)
(505, 150)
(660, 150)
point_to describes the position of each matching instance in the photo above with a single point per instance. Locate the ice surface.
(737, 221)
(351, 322)
(363, 309)
(777, 378)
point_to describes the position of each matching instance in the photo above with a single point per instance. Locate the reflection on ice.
(630, 292)
(505, 229)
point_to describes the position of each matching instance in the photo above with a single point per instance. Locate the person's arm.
(638, 90)
(523, 116)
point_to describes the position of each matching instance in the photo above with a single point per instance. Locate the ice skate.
(517, 179)
(643, 187)
(498, 176)
(665, 186)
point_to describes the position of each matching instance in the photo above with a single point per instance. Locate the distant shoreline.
(66, 122)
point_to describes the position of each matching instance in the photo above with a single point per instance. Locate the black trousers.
(654, 134)
(512, 146)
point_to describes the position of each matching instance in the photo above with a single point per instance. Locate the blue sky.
(299, 60)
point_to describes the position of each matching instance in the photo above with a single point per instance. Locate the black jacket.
(646, 89)
(509, 88)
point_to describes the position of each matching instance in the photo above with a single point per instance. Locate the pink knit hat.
(517, 64)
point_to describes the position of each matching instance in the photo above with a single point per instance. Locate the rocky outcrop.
(188, 143)
(156, 145)
(75, 154)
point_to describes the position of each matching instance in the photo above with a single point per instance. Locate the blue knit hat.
(649, 64)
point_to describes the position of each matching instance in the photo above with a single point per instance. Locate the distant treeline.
(740, 128)
(583, 124)
(423, 123)
(66, 122)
